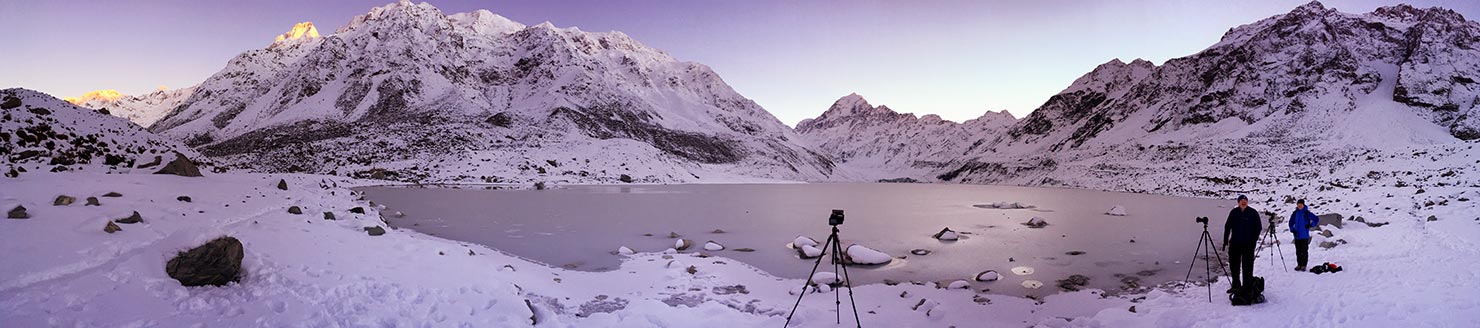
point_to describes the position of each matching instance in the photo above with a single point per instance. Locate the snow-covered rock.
(713, 246)
(803, 241)
(809, 251)
(959, 284)
(625, 251)
(946, 234)
(989, 275)
(825, 278)
(858, 254)
(682, 244)
(1036, 222)
(1118, 210)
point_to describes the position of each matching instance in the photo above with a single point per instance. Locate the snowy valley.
(1371, 116)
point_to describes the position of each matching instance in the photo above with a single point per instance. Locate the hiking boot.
(1300, 268)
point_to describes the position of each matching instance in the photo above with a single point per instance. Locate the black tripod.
(1205, 241)
(833, 247)
(1270, 236)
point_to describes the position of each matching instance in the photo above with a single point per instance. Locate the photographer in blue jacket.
(1300, 223)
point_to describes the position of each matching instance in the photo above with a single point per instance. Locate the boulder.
(63, 200)
(1433, 218)
(1118, 210)
(92, 201)
(825, 278)
(183, 199)
(282, 184)
(1036, 222)
(946, 234)
(357, 210)
(625, 251)
(989, 275)
(112, 194)
(295, 210)
(111, 228)
(215, 263)
(180, 166)
(131, 219)
(375, 231)
(1074, 282)
(19, 212)
(682, 244)
(328, 215)
(713, 246)
(858, 254)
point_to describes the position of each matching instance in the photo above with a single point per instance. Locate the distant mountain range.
(409, 93)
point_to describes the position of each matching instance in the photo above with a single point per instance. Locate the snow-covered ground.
(302, 270)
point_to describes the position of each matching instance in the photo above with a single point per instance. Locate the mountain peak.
(102, 95)
(1313, 6)
(299, 31)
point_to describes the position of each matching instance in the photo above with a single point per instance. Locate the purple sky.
(953, 58)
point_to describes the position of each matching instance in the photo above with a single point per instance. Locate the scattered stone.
(131, 219)
(713, 246)
(111, 228)
(959, 284)
(674, 235)
(946, 234)
(717, 231)
(692, 270)
(1133, 309)
(19, 212)
(92, 201)
(295, 210)
(375, 231)
(180, 166)
(1433, 218)
(329, 215)
(858, 254)
(1075, 253)
(1327, 233)
(625, 251)
(400, 215)
(682, 244)
(358, 210)
(63, 200)
(215, 263)
(183, 199)
(1118, 210)
(989, 275)
(744, 250)
(1074, 282)
(1036, 222)
(113, 194)
(282, 184)
(920, 252)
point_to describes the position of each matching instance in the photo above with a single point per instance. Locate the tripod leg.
(1215, 252)
(837, 297)
(848, 282)
(1193, 263)
(805, 282)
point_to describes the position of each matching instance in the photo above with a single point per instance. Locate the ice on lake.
(577, 227)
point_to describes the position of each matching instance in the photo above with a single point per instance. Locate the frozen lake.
(580, 227)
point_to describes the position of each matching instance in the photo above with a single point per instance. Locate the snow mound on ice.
(864, 255)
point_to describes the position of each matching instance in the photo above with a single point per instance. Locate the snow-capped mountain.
(40, 133)
(881, 143)
(143, 110)
(478, 96)
(1312, 74)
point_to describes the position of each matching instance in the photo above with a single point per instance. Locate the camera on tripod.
(1202, 219)
(836, 218)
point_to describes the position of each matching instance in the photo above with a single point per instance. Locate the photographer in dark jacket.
(1244, 227)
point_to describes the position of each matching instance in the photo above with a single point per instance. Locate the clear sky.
(953, 58)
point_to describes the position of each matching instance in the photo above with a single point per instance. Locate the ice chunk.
(1036, 222)
(625, 251)
(713, 246)
(946, 234)
(1118, 210)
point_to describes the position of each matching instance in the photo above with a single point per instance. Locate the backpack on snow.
(1252, 292)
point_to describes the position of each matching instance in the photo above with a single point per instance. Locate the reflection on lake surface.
(580, 227)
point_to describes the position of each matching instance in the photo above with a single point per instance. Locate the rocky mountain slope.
(1299, 99)
(407, 92)
(143, 110)
(40, 133)
(878, 143)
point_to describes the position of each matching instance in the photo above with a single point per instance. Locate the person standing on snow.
(1300, 223)
(1244, 227)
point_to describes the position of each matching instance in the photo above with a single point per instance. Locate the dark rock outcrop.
(180, 166)
(215, 263)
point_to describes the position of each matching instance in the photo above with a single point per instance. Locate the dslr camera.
(836, 218)
(1202, 219)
